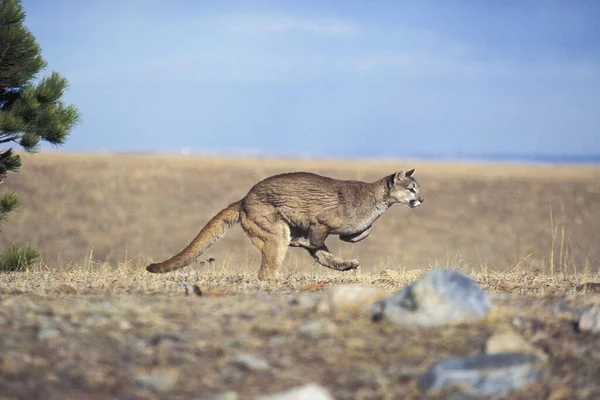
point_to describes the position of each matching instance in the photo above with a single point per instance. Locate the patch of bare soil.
(130, 335)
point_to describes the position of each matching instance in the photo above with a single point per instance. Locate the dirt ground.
(126, 334)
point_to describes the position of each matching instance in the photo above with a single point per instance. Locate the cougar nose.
(421, 199)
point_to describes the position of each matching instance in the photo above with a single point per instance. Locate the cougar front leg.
(324, 257)
(315, 240)
(357, 237)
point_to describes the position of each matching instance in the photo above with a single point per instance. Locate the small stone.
(482, 374)
(440, 297)
(314, 329)
(47, 334)
(229, 395)
(159, 379)
(124, 324)
(589, 321)
(250, 362)
(350, 299)
(307, 392)
(509, 341)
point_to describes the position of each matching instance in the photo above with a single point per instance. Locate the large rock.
(349, 299)
(483, 374)
(440, 297)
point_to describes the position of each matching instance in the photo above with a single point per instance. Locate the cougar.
(302, 209)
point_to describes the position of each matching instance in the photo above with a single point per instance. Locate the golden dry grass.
(78, 208)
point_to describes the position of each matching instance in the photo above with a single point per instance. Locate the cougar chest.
(362, 220)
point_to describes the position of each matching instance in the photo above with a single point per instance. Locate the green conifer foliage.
(31, 111)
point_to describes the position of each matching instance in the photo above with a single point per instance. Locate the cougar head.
(404, 189)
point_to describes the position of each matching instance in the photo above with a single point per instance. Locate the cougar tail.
(214, 230)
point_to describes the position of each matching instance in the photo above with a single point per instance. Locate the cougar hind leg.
(272, 239)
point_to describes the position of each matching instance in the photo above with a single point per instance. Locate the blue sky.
(327, 78)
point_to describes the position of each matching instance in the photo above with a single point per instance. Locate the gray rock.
(440, 297)
(589, 321)
(307, 392)
(250, 362)
(483, 374)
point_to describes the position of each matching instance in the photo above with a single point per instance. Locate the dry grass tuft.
(130, 278)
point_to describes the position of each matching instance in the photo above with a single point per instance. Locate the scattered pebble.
(483, 374)
(159, 379)
(307, 392)
(250, 362)
(440, 297)
(314, 329)
(349, 299)
(47, 334)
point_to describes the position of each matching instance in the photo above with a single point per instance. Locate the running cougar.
(301, 209)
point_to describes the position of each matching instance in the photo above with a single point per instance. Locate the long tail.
(214, 230)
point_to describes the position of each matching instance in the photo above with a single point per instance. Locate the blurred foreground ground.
(122, 333)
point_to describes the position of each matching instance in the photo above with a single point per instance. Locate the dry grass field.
(113, 208)
(88, 322)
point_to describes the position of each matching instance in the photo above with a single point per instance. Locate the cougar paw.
(300, 242)
(350, 265)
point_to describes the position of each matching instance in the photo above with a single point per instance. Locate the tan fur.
(301, 209)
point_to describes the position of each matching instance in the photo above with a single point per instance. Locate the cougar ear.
(398, 176)
(409, 173)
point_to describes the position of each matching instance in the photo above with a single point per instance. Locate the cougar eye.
(411, 189)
